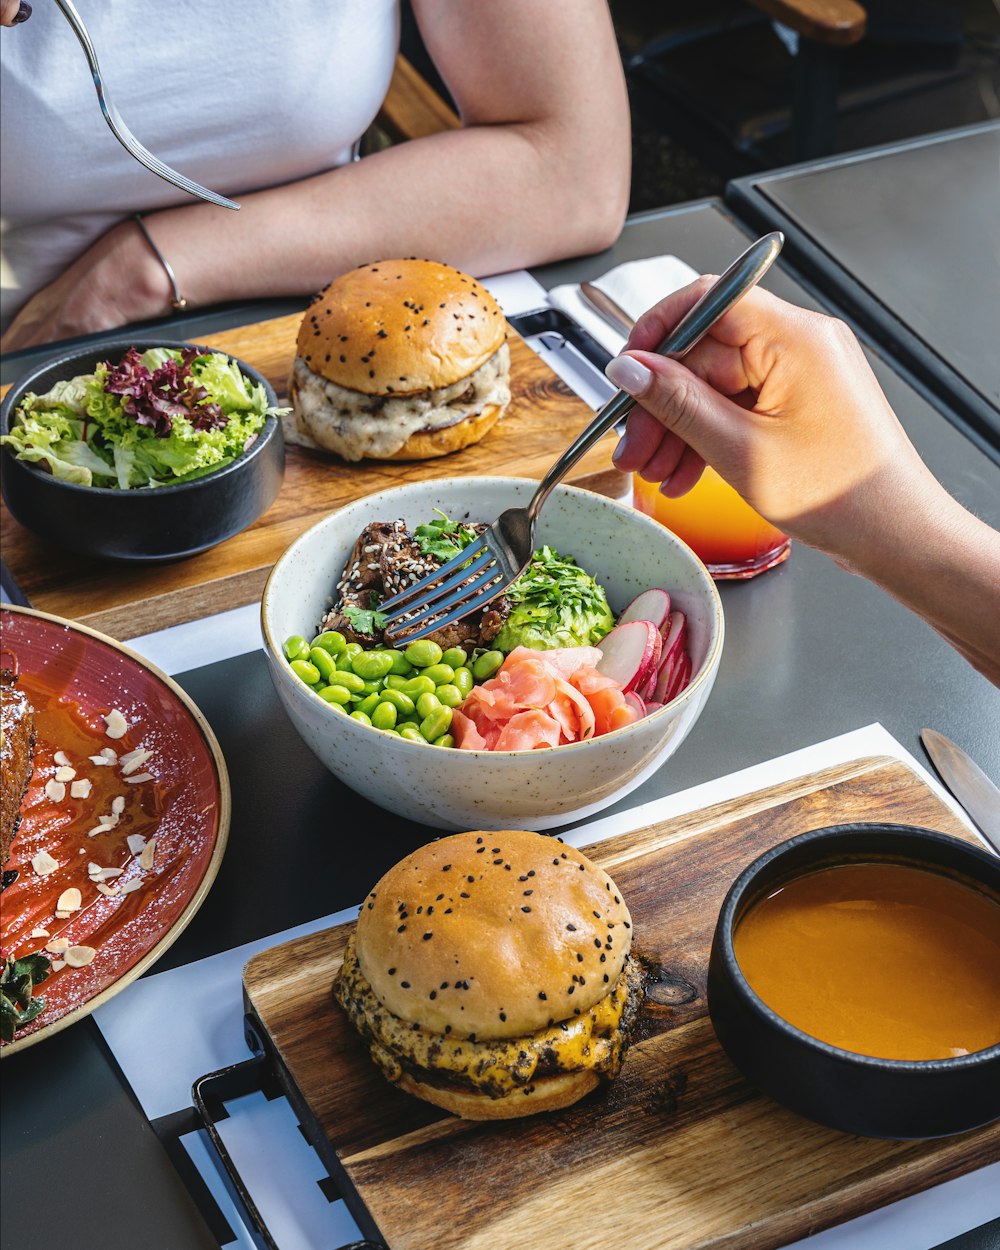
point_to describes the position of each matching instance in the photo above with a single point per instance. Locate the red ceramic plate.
(176, 799)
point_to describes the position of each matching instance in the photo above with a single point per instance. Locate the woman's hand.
(783, 404)
(116, 280)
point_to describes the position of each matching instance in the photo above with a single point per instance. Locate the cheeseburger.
(491, 974)
(399, 360)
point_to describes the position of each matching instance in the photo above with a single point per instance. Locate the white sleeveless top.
(237, 94)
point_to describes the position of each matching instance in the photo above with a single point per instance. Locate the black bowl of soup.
(855, 978)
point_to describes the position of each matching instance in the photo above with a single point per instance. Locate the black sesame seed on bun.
(399, 359)
(492, 974)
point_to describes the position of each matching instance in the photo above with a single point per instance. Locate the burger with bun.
(491, 974)
(399, 360)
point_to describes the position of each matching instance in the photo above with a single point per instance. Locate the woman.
(265, 103)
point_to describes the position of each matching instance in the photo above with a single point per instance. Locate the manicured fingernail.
(23, 12)
(629, 374)
(622, 449)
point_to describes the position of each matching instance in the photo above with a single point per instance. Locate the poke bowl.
(175, 505)
(466, 787)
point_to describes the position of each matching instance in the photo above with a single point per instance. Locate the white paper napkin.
(634, 286)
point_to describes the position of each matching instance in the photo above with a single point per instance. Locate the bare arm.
(540, 170)
(783, 403)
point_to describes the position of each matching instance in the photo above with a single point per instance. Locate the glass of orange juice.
(717, 524)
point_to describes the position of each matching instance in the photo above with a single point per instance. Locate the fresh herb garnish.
(366, 620)
(554, 603)
(444, 538)
(18, 1006)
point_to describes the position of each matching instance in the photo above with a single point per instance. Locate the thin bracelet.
(178, 302)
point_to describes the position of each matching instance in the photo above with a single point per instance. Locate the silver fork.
(118, 128)
(484, 569)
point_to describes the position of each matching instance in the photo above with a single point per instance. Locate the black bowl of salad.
(140, 450)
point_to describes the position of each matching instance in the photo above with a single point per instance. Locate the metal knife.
(967, 782)
(606, 307)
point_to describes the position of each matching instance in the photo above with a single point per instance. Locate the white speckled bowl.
(451, 789)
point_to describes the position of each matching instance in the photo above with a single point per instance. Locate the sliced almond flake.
(39, 932)
(135, 843)
(110, 891)
(81, 789)
(62, 915)
(110, 754)
(57, 945)
(118, 804)
(134, 884)
(129, 763)
(57, 965)
(80, 956)
(107, 874)
(94, 870)
(60, 759)
(109, 822)
(117, 725)
(66, 773)
(70, 900)
(92, 833)
(134, 780)
(100, 760)
(148, 852)
(43, 863)
(56, 790)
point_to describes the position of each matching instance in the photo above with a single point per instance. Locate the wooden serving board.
(680, 1153)
(127, 600)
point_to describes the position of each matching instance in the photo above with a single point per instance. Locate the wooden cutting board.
(680, 1153)
(127, 600)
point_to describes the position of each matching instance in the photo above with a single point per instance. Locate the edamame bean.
(361, 718)
(450, 695)
(446, 740)
(305, 671)
(464, 680)
(439, 673)
(353, 648)
(455, 656)
(374, 687)
(427, 703)
(401, 702)
(417, 686)
(345, 663)
(331, 640)
(335, 707)
(487, 664)
(411, 733)
(351, 681)
(383, 716)
(423, 653)
(372, 665)
(367, 704)
(296, 648)
(401, 666)
(323, 662)
(395, 682)
(335, 694)
(436, 724)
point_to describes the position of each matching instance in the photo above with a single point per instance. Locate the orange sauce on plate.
(884, 959)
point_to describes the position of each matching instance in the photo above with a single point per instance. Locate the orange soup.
(882, 959)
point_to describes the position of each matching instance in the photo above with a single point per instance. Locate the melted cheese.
(594, 1040)
(333, 418)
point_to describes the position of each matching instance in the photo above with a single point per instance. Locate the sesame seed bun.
(399, 360)
(548, 1093)
(401, 326)
(493, 935)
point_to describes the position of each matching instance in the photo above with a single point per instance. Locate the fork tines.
(443, 596)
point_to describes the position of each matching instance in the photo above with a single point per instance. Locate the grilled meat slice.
(17, 757)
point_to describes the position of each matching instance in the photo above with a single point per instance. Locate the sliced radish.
(651, 605)
(631, 652)
(664, 679)
(674, 636)
(681, 677)
(634, 702)
(653, 707)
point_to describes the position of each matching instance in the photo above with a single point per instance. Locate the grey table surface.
(810, 652)
(909, 238)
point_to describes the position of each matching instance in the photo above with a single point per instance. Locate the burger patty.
(595, 1040)
(355, 424)
(17, 754)
(386, 560)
